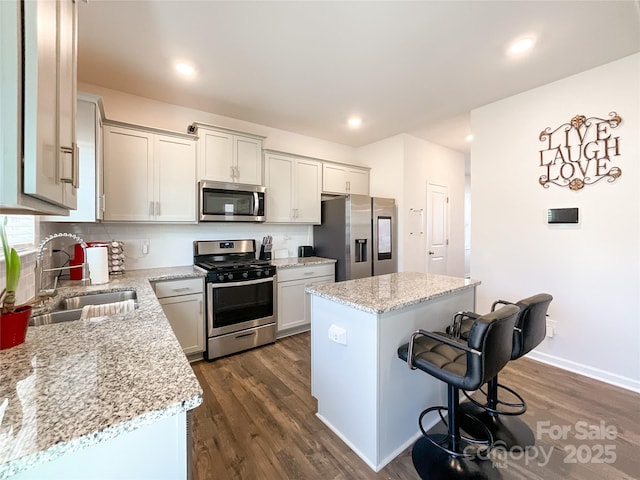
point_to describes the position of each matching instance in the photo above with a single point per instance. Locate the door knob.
(431, 253)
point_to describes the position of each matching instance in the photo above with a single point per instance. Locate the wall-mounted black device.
(563, 215)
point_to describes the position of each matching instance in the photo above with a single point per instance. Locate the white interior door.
(437, 228)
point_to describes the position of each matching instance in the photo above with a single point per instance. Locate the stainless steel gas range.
(240, 296)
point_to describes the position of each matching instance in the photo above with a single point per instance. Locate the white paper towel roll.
(98, 266)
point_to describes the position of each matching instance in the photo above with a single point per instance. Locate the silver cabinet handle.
(200, 307)
(151, 209)
(158, 209)
(233, 172)
(66, 173)
(75, 175)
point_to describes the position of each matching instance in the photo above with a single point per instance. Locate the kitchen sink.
(70, 309)
(57, 316)
(80, 301)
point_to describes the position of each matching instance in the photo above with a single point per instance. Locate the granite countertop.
(294, 262)
(75, 384)
(394, 291)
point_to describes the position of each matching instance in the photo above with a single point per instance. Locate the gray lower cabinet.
(294, 307)
(183, 303)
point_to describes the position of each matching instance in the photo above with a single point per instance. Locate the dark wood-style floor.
(258, 421)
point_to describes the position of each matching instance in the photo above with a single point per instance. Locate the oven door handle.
(241, 283)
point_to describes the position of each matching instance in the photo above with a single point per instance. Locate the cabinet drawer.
(311, 271)
(172, 288)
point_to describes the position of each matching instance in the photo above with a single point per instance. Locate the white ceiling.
(306, 66)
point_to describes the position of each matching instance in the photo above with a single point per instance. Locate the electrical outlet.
(145, 247)
(338, 334)
(551, 328)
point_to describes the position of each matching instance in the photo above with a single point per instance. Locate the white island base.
(157, 451)
(366, 394)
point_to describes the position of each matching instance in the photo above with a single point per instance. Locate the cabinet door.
(215, 156)
(186, 316)
(67, 68)
(89, 147)
(248, 160)
(41, 167)
(128, 179)
(358, 181)
(175, 182)
(279, 183)
(333, 178)
(291, 304)
(307, 191)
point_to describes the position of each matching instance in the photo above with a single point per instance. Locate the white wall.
(592, 269)
(428, 162)
(124, 107)
(401, 166)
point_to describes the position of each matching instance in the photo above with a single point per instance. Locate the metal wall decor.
(580, 152)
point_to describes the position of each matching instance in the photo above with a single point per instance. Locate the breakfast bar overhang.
(366, 395)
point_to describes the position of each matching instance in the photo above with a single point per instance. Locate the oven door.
(237, 306)
(231, 202)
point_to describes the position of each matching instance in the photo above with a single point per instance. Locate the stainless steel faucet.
(40, 292)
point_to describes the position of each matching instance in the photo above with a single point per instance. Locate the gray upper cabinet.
(344, 179)
(149, 175)
(44, 137)
(228, 156)
(89, 119)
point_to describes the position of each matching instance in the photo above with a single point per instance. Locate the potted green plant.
(13, 319)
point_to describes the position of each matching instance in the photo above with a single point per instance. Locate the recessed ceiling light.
(184, 69)
(469, 138)
(354, 122)
(521, 46)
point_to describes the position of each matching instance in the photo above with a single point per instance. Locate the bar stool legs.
(449, 456)
(507, 429)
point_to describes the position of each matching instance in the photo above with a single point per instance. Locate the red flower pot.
(13, 327)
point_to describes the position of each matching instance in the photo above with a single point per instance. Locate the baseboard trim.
(587, 371)
(370, 464)
(385, 461)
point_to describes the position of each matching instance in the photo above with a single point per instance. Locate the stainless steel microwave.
(231, 202)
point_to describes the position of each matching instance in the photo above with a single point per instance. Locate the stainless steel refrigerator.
(360, 232)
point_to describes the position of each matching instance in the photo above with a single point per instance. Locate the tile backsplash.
(26, 285)
(170, 245)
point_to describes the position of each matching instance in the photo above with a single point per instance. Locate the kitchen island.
(365, 394)
(102, 398)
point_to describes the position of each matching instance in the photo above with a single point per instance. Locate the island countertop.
(75, 384)
(384, 293)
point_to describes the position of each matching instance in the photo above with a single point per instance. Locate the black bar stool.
(461, 365)
(495, 412)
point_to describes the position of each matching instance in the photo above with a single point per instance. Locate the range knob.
(245, 275)
(258, 273)
(221, 277)
(230, 276)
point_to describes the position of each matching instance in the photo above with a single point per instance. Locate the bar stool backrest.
(531, 326)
